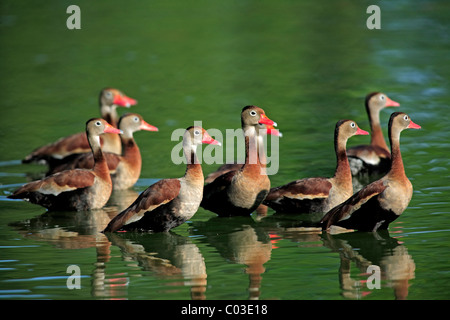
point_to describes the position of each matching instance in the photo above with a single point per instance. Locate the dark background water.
(308, 64)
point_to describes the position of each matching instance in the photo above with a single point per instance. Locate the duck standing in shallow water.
(374, 158)
(315, 195)
(78, 189)
(378, 204)
(53, 153)
(125, 169)
(240, 192)
(169, 202)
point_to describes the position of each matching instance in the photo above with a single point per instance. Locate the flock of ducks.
(84, 168)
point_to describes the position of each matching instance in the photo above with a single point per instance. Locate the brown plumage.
(52, 153)
(169, 202)
(374, 158)
(241, 191)
(316, 195)
(125, 169)
(79, 189)
(376, 205)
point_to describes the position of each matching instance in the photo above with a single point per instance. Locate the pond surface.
(306, 63)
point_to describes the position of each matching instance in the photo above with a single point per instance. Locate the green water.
(308, 64)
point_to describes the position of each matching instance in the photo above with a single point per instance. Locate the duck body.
(125, 169)
(319, 194)
(54, 153)
(167, 203)
(237, 193)
(374, 158)
(379, 203)
(79, 189)
(240, 192)
(164, 205)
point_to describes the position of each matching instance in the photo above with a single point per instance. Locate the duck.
(227, 167)
(168, 203)
(78, 189)
(240, 192)
(125, 169)
(379, 203)
(319, 194)
(54, 152)
(375, 158)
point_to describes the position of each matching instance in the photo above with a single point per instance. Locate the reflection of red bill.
(265, 120)
(147, 126)
(124, 101)
(208, 139)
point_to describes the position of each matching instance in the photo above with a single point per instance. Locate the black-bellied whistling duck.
(227, 167)
(374, 158)
(125, 169)
(316, 195)
(52, 153)
(168, 203)
(240, 192)
(379, 203)
(78, 189)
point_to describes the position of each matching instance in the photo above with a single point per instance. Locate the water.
(308, 65)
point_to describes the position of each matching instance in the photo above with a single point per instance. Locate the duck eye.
(352, 124)
(405, 117)
(382, 97)
(196, 132)
(98, 123)
(136, 119)
(253, 113)
(108, 94)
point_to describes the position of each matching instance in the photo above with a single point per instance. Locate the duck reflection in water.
(168, 256)
(371, 249)
(245, 243)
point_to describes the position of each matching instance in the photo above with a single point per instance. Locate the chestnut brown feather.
(378, 204)
(240, 192)
(78, 189)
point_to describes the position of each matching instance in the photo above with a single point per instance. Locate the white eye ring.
(382, 97)
(405, 117)
(98, 123)
(353, 125)
(136, 119)
(196, 132)
(109, 93)
(253, 113)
